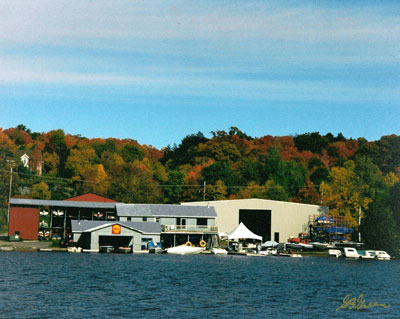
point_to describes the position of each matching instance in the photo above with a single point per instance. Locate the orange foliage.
(39, 145)
(5, 141)
(346, 149)
(70, 141)
(152, 153)
(263, 144)
(18, 135)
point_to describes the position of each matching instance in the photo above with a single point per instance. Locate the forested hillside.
(344, 174)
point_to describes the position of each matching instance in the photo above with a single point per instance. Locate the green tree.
(184, 153)
(313, 142)
(378, 228)
(394, 204)
(56, 144)
(274, 191)
(291, 176)
(175, 185)
(219, 171)
(131, 153)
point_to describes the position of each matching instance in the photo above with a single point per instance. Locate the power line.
(166, 185)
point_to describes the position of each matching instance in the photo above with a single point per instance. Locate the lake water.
(65, 285)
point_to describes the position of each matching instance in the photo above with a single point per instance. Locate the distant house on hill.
(31, 159)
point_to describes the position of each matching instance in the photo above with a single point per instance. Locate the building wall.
(26, 221)
(289, 219)
(136, 241)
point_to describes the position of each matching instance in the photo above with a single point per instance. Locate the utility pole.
(9, 192)
(204, 191)
(359, 223)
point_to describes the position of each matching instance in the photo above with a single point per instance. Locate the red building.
(25, 213)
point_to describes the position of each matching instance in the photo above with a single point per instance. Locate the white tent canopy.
(242, 231)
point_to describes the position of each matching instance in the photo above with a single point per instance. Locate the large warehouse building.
(273, 220)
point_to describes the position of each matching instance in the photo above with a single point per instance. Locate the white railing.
(189, 228)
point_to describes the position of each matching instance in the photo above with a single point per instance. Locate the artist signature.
(359, 303)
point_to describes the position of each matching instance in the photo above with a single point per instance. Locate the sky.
(156, 71)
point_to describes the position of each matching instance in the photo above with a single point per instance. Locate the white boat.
(288, 255)
(350, 252)
(268, 252)
(218, 251)
(74, 249)
(368, 254)
(382, 255)
(184, 250)
(334, 253)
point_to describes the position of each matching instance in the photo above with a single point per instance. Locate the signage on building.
(116, 229)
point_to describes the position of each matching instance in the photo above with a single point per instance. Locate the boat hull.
(184, 250)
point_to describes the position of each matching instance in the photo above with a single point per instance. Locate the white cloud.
(56, 21)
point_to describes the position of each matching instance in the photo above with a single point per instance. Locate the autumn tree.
(218, 191)
(352, 187)
(132, 183)
(41, 191)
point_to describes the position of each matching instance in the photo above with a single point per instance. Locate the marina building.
(92, 221)
(273, 220)
(92, 235)
(179, 224)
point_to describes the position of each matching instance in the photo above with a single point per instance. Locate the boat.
(123, 250)
(218, 251)
(293, 255)
(184, 250)
(74, 249)
(350, 252)
(368, 254)
(382, 255)
(298, 246)
(320, 246)
(268, 252)
(106, 249)
(335, 253)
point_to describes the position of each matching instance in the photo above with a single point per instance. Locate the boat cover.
(270, 244)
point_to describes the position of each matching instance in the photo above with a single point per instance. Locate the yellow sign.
(116, 229)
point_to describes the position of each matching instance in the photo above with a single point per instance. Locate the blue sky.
(156, 71)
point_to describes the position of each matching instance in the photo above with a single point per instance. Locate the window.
(157, 219)
(276, 237)
(144, 219)
(129, 219)
(145, 240)
(201, 221)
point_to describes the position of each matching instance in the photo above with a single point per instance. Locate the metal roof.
(92, 225)
(161, 210)
(60, 203)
